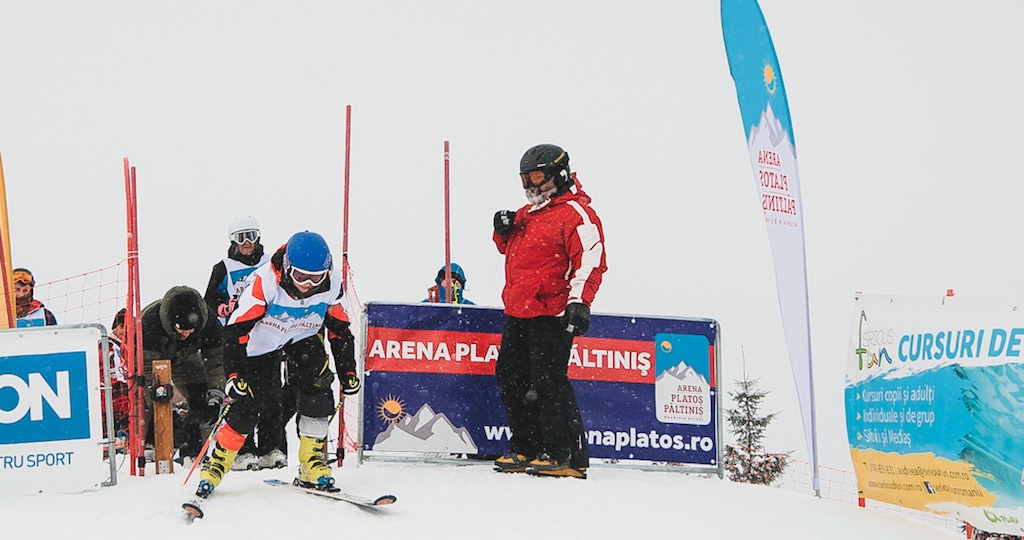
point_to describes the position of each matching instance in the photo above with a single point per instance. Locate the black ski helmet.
(548, 158)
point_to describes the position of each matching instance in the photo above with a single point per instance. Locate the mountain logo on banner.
(425, 431)
(774, 160)
(682, 396)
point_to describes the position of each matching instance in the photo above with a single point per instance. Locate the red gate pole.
(447, 230)
(340, 451)
(344, 231)
(132, 346)
(137, 310)
(129, 321)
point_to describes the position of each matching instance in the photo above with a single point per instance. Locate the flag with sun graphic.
(772, 149)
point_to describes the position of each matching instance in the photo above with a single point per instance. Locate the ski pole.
(339, 452)
(202, 452)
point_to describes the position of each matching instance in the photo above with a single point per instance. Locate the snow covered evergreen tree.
(748, 462)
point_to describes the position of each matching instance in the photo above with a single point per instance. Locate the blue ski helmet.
(457, 272)
(307, 251)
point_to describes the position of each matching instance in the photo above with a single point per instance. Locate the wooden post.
(163, 424)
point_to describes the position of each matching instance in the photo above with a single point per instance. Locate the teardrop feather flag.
(769, 132)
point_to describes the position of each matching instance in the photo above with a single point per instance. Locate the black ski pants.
(533, 382)
(263, 409)
(308, 377)
(266, 437)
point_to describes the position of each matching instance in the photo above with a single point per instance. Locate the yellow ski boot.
(313, 469)
(214, 470)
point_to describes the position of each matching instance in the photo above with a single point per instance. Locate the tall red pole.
(132, 347)
(447, 234)
(340, 452)
(137, 315)
(344, 230)
(129, 321)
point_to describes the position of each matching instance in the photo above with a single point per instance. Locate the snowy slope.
(453, 502)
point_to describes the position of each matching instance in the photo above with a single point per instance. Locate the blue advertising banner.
(647, 387)
(934, 390)
(44, 397)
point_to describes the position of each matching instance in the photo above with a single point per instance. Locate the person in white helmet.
(263, 449)
(245, 253)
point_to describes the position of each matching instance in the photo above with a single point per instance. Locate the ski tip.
(192, 511)
(385, 500)
(276, 482)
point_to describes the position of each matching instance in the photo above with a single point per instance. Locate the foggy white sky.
(905, 118)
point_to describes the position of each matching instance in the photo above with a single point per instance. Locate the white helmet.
(242, 224)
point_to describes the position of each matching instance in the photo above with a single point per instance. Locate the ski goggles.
(534, 179)
(24, 278)
(242, 237)
(302, 277)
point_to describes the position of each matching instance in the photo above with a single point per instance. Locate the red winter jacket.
(554, 255)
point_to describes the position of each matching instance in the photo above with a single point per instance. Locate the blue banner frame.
(429, 384)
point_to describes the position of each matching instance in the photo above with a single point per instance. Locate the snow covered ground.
(452, 502)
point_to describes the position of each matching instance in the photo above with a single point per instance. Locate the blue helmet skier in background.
(439, 292)
(280, 317)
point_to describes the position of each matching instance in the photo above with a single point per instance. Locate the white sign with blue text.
(50, 420)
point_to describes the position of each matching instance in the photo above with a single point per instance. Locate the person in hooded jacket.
(283, 316)
(439, 292)
(29, 311)
(180, 327)
(554, 264)
(227, 279)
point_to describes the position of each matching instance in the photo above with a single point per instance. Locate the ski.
(337, 494)
(193, 508)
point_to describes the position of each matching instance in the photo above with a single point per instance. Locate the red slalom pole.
(344, 231)
(129, 323)
(137, 310)
(133, 331)
(340, 451)
(447, 229)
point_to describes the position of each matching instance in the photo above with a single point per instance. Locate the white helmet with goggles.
(244, 229)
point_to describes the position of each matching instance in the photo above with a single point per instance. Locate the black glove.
(215, 397)
(577, 318)
(236, 389)
(349, 383)
(180, 409)
(503, 220)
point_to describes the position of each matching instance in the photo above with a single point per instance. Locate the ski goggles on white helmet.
(302, 277)
(242, 237)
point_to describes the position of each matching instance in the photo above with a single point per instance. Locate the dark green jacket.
(196, 360)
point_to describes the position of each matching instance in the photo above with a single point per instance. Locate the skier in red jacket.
(554, 263)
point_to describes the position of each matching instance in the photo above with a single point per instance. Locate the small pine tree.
(747, 462)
